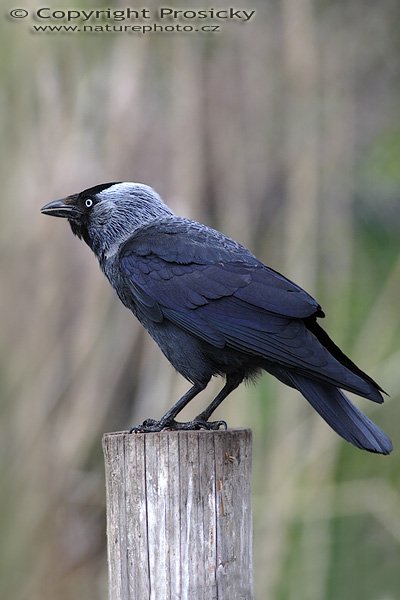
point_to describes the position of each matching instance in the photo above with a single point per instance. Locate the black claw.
(209, 425)
(152, 426)
(148, 426)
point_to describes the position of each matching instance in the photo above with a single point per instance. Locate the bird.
(214, 309)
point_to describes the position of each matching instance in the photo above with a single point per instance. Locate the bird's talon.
(148, 426)
(149, 422)
(211, 425)
(153, 426)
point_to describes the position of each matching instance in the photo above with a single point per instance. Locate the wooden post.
(179, 523)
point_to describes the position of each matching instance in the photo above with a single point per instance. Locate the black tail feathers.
(344, 418)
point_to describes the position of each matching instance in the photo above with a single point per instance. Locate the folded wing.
(218, 291)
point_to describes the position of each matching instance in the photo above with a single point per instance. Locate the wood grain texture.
(179, 522)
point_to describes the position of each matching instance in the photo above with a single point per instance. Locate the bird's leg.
(168, 420)
(201, 421)
(232, 382)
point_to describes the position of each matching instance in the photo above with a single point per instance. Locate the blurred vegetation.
(284, 133)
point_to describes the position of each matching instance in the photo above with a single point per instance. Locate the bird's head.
(105, 215)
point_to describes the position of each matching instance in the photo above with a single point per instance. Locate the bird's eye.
(88, 202)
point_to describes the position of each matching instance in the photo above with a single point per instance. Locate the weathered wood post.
(179, 522)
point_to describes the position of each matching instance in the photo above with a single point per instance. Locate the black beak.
(61, 208)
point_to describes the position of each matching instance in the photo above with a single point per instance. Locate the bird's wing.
(181, 265)
(218, 291)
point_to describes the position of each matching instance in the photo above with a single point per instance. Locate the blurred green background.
(285, 134)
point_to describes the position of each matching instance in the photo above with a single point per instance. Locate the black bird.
(214, 309)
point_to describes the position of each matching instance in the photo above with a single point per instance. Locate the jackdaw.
(214, 309)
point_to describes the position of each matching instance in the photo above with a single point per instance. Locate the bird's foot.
(148, 426)
(197, 424)
(152, 426)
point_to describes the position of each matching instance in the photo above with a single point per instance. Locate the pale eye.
(88, 202)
